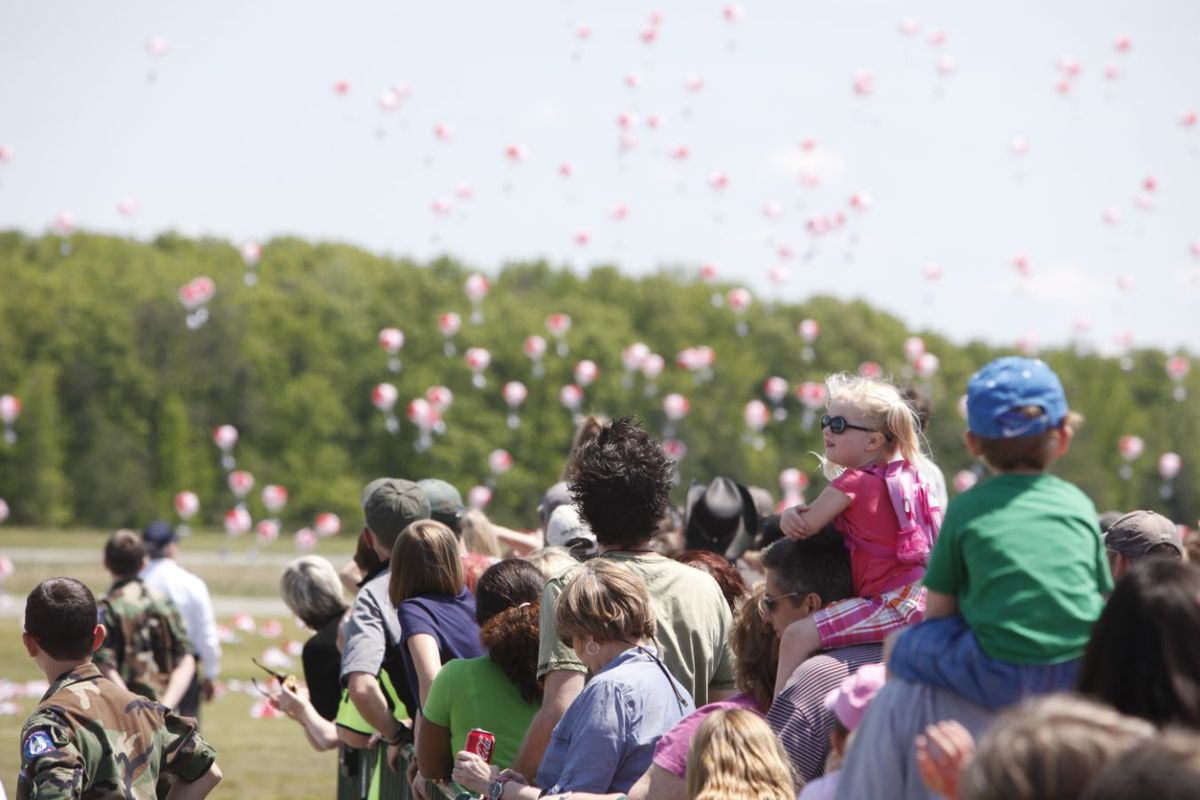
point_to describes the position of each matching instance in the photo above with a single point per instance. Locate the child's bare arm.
(940, 605)
(799, 522)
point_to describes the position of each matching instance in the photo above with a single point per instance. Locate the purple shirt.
(449, 620)
(671, 752)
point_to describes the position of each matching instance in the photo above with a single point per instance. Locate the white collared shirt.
(190, 596)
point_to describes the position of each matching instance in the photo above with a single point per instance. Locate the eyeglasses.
(767, 604)
(839, 425)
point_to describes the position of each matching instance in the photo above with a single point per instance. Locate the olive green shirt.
(91, 739)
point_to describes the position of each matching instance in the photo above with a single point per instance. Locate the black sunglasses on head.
(839, 425)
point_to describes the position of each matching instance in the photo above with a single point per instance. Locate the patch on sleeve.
(37, 744)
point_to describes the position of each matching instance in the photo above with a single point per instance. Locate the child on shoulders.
(1018, 575)
(871, 434)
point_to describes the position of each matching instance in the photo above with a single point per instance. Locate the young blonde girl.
(736, 756)
(869, 424)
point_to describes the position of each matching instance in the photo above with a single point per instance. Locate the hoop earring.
(591, 648)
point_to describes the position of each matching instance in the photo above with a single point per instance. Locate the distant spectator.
(1138, 535)
(446, 507)
(566, 529)
(190, 595)
(479, 534)
(727, 577)
(735, 755)
(146, 648)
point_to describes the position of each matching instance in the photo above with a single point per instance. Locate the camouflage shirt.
(146, 638)
(89, 738)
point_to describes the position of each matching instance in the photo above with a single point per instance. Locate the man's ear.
(98, 635)
(31, 644)
(811, 603)
(971, 442)
(1066, 434)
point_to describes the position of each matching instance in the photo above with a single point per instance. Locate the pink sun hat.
(849, 701)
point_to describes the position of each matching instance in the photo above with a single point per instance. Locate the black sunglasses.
(768, 603)
(839, 425)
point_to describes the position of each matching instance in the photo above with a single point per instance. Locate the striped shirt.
(799, 715)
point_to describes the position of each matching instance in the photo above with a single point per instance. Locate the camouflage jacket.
(91, 739)
(146, 637)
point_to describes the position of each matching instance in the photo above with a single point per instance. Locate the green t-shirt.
(475, 693)
(1023, 555)
(693, 623)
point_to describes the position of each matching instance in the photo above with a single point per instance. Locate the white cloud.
(1062, 283)
(792, 162)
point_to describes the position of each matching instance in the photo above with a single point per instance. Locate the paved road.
(223, 605)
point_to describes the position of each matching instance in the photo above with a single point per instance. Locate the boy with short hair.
(146, 650)
(88, 737)
(1019, 574)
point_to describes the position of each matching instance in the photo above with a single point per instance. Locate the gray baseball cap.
(1136, 533)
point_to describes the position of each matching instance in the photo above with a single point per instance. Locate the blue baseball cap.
(997, 392)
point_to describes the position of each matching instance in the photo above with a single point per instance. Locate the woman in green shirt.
(498, 692)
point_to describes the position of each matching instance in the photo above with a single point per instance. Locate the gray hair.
(312, 590)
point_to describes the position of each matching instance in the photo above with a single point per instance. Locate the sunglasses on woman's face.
(839, 425)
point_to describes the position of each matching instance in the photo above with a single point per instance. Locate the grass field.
(265, 759)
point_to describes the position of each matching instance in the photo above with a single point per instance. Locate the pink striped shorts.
(859, 620)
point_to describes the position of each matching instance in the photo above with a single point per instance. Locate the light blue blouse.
(606, 738)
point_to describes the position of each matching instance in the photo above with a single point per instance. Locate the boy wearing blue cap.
(1018, 575)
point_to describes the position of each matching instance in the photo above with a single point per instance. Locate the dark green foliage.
(121, 397)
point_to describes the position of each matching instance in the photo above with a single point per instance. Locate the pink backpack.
(917, 510)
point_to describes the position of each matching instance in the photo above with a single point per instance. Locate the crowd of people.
(878, 642)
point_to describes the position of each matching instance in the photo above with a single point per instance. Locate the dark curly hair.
(511, 639)
(621, 482)
(733, 586)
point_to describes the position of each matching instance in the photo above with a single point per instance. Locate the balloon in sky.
(274, 497)
(792, 481)
(305, 540)
(914, 348)
(476, 287)
(186, 504)
(632, 359)
(1169, 465)
(870, 369)
(756, 415)
(392, 341)
(514, 393)
(1178, 368)
(571, 397)
(675, 449)
(964, 479)
(740, 300)
(440, 397)
(425, 417)
(809, 330)
(225, 437)
(449, 324)
(267, 531)
(586, 372)
(558, 324)
(479, 497)
(3, 517)
(327, 524)
(6, 154)
(926, 365)
(10, 410)
(478, 359)
(675, 406)
(534, 348)
(383, 397)
(240, 483)
(238, 521)
(776, 389)
(812, 395)
(499, 462)
(194, 297)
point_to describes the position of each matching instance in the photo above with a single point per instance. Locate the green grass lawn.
(262, 759)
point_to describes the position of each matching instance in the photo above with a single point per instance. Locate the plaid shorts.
(860, 620)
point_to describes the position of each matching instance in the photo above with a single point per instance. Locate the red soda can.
(481, 743)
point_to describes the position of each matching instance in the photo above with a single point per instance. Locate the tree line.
(120, 396)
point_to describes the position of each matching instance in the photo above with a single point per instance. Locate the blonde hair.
(551, 560)
(606, 601)
(1051, 746)
(736, 756)
(479, 535)
(311, 588)
(884, 408)
(425, 560)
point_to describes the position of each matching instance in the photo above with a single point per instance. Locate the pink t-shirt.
(671, 752)
(870, 518)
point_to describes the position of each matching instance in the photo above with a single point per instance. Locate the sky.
(695, 133)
